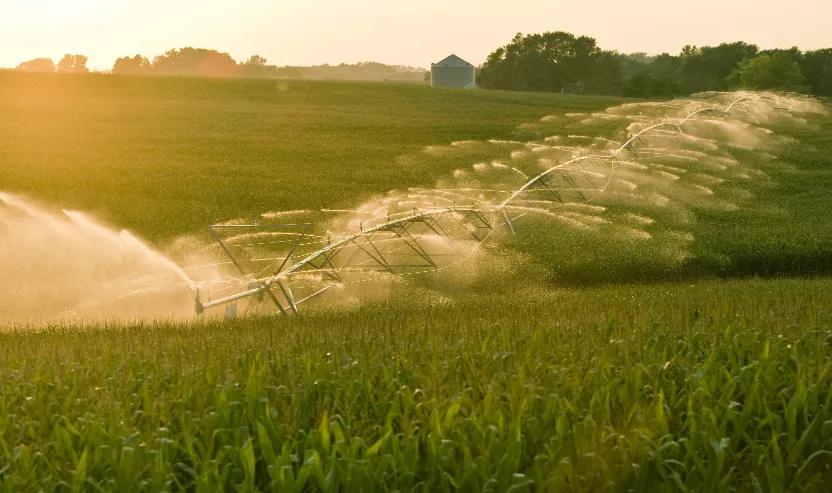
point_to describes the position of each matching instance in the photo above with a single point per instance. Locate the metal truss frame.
(377, 248)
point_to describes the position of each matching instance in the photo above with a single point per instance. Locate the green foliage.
(794, 54)
(607, 76)
(657, 80)
(776, 71)
(553, 62)
(825, 84)
(695, 69)
(816, 66)
(556, 62)
(671, 387)
(706, 68)
(629, 64)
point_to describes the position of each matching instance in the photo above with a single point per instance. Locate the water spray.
(374, 249)
(106, 273)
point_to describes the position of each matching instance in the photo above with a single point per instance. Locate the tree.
(541, 62)
(73, 64)
(256, 60)
(606, 75)
(706, 68)
(631, 63)
(138, 65)
(775, 71)
(255, 66)
(794, 54)
(689, 51)
(825, 83)
(37, 65)
(657, 80)
(814, 65)
(196, 62)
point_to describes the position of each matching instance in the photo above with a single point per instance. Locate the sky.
(406, 32)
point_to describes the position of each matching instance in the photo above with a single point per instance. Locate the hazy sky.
(306, 32)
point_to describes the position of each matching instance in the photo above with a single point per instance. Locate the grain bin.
(453, 72)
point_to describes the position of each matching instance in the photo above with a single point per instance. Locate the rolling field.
(162, 157)
(681, 344)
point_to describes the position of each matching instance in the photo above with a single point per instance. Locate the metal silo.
(453, 72)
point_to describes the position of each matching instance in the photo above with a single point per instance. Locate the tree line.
(191, 61)
(549, 62)
(562, 62)
(69, 64)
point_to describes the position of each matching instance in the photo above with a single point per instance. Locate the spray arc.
(431, 239)
(403, 245)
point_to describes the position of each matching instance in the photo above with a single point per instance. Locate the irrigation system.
(414, 242)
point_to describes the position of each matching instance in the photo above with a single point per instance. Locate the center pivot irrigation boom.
(420, 241)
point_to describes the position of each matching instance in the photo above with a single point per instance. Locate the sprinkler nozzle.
(198, 306)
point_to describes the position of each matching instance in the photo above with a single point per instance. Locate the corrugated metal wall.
(452, 76)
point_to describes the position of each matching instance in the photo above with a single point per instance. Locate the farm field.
(711, 385)
(680, 343)
(166, 156)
